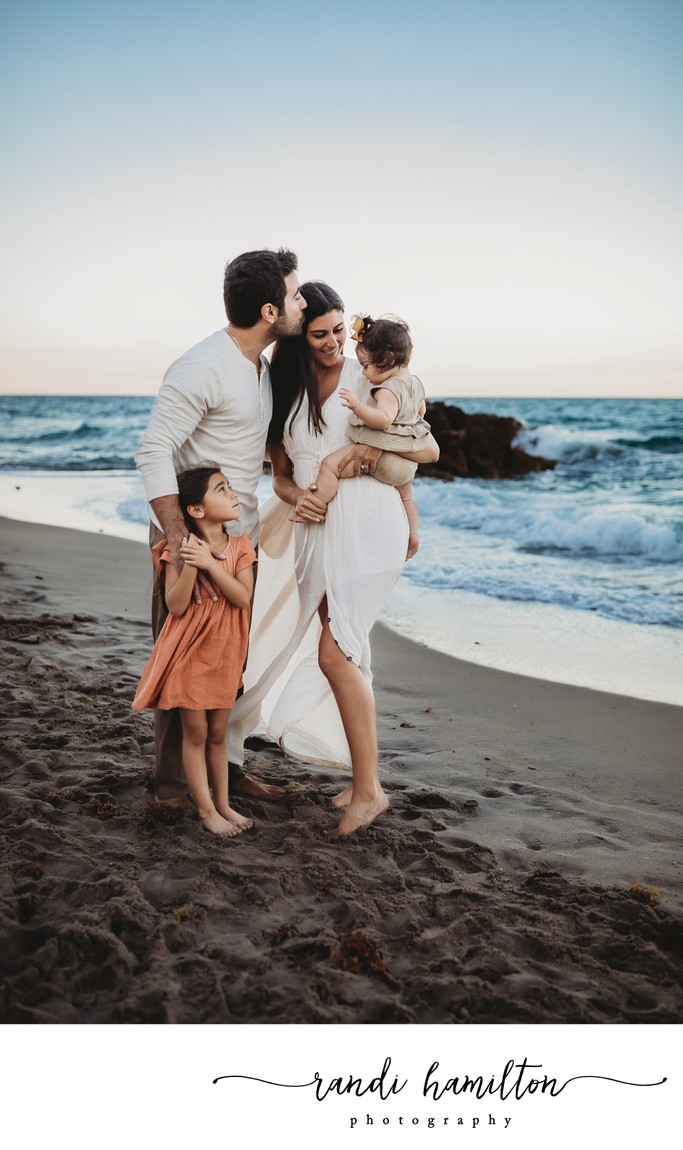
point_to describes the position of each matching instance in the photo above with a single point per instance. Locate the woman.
(342, 561)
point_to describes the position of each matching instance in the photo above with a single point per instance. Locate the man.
(215, 404)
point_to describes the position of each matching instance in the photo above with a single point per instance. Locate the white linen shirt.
(211, 407)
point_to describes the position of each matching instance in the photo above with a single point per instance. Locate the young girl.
(197, 661)
(390, 416)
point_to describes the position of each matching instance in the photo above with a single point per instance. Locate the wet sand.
(528, 870)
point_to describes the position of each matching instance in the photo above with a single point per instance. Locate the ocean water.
(602, 532)
(589, 552)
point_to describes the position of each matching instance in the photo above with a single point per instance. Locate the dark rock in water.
(477, 446)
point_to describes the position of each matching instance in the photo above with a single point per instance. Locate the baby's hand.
(196, 553)
(349, 398)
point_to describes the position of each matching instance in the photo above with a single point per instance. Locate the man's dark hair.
(254, 279)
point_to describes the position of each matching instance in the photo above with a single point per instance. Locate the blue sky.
(526, 159)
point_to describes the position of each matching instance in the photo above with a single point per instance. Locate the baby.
(390, 416)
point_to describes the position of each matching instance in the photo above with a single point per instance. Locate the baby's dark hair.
(192, 487)
(387, 341)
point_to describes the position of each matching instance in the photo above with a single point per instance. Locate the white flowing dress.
(354, 558)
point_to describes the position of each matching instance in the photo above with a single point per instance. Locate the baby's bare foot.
(343, 800)
(413, 546)
(360, 813)
(217, 825)
(238, 821)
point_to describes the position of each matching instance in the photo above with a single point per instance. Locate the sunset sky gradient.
(508, 176)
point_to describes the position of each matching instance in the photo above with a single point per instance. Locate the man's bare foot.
(360, 813)
(245, 785)
(180, 802)
(231, 816)
(217, 825)
(343, 800)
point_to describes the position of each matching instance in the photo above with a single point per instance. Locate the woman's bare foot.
(343, 800)
(217, 825)
(245, 785)
(242, 823)
(360, 813)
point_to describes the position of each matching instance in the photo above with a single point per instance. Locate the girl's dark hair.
(292, 369)
(387, 341)
(192, 487)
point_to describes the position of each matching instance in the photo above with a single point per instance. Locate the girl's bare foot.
(217, 825)
(343, 800)
(360, 813)
(238, 821)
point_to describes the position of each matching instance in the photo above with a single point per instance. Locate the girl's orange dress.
(198, 658)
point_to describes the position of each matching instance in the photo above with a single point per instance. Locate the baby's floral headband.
(360, 326)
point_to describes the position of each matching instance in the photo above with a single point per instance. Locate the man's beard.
(285, 326)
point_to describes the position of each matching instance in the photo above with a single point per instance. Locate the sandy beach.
(528, 870)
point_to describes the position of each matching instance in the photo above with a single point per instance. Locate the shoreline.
(547, 642)
(539, 640)
(528, 869)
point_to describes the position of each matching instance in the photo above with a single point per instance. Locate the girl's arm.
(179, 588)
(237, 589)
(380, 417)
(303, 499)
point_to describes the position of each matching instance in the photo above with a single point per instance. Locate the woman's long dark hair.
(292, 369)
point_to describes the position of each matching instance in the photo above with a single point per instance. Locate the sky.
(507, 176)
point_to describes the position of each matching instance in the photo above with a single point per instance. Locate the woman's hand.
(361, 459)
(309, 508)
